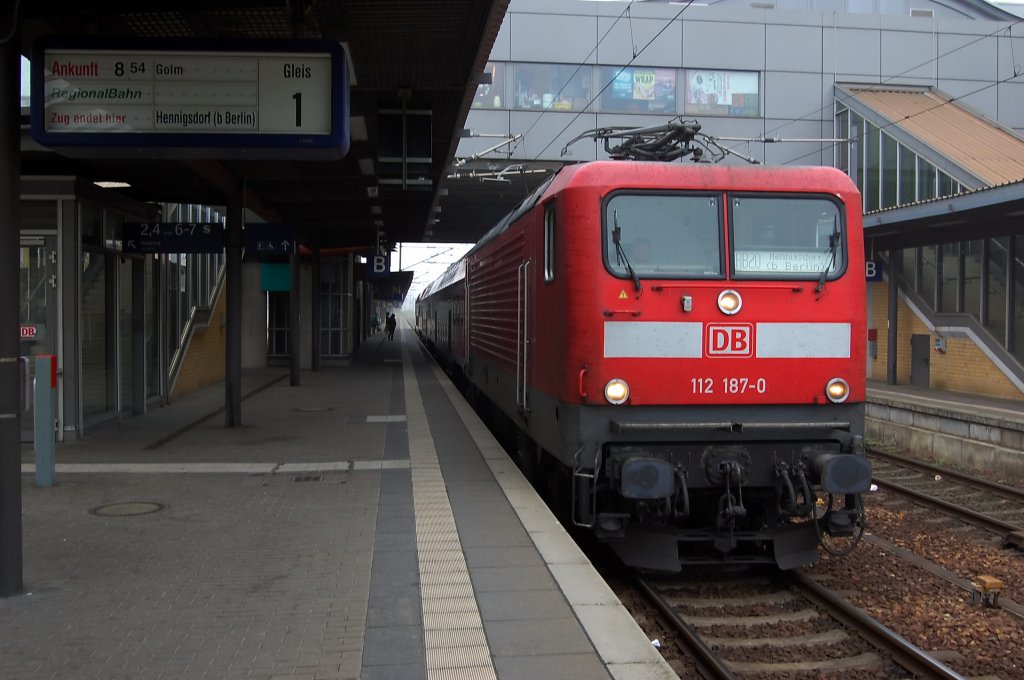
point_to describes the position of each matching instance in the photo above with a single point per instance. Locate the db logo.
(731, 340)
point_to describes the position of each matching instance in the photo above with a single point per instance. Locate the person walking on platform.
(389, 326)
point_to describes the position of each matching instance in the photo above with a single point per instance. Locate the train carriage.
(681, 350)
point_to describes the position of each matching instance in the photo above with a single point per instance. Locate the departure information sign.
(162, 93)
(172, 237)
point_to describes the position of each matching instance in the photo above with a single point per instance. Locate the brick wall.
(963, 367)
(206, 354)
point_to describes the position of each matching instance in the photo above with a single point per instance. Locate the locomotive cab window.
(663, 235)
(781, 237)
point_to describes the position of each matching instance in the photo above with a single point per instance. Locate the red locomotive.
(680, 349)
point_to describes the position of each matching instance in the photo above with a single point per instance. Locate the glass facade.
(620, 89)
(638, 90)
(949, 278)
(561, 87)
(277, 324)
(190, 279)
(97, 341)
(888, 174)
(335, 308)
(981, 278)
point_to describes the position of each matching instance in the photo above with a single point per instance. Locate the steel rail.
(1009, 491)
(903, 652)
(990, 523)
(708, 663)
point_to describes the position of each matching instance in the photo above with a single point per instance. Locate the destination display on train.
(291, 94)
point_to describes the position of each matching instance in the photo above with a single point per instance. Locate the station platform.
(363, 524)
(968, 431)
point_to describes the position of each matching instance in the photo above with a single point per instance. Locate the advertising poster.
(722, 93)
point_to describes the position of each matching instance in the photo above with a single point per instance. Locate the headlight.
(730, 302)
(616, 391)
(837, 390)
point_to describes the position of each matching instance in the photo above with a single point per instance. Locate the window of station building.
(857, 131)
(925, 180)
(908, 176)
(558, 87)
(277, 324)
(872, 167)
(843, 132)
(1017, 335)
(995, 290)
(98, 333)
(492, 96)
(91, 223)
(721, 93)
(949, 279)
(890, 168)
(638, 89)
(972, 277)
(908, 266)
(929, 272)
(334, 309)
(947, 186)
(152, 325)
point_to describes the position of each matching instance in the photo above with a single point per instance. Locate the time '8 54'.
(728, 385)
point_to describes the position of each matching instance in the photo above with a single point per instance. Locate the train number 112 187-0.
(728, 385)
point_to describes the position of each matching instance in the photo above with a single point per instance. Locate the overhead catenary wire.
(951, 100)
(927, 62)
(812, 115)
(608, 84)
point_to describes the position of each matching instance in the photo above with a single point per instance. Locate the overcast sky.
(427, 260)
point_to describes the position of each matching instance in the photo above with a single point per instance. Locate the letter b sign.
(378, 267)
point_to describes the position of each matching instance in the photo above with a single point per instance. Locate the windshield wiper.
(620, 252)
(833, 246)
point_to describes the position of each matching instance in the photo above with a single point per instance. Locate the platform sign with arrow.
(172, 237)
(266, 238)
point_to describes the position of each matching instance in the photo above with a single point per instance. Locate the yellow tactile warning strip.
(622, 646)
(454, 639)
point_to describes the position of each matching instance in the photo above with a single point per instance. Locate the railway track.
(996, 507)
(752, 624)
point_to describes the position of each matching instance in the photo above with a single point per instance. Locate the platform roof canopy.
(985, 157)
(422, 55)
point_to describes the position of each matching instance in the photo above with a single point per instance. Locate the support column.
(294, 300)
(233, 280)
(894, 305)
(139, 336)
(314, 321)
(11, 558)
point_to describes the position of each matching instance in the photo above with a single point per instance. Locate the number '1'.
(298, 108)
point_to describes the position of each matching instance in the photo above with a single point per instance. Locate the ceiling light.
(366, 167)
(372, 192)
(375, 210)
(113, 185)
(378, 223)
